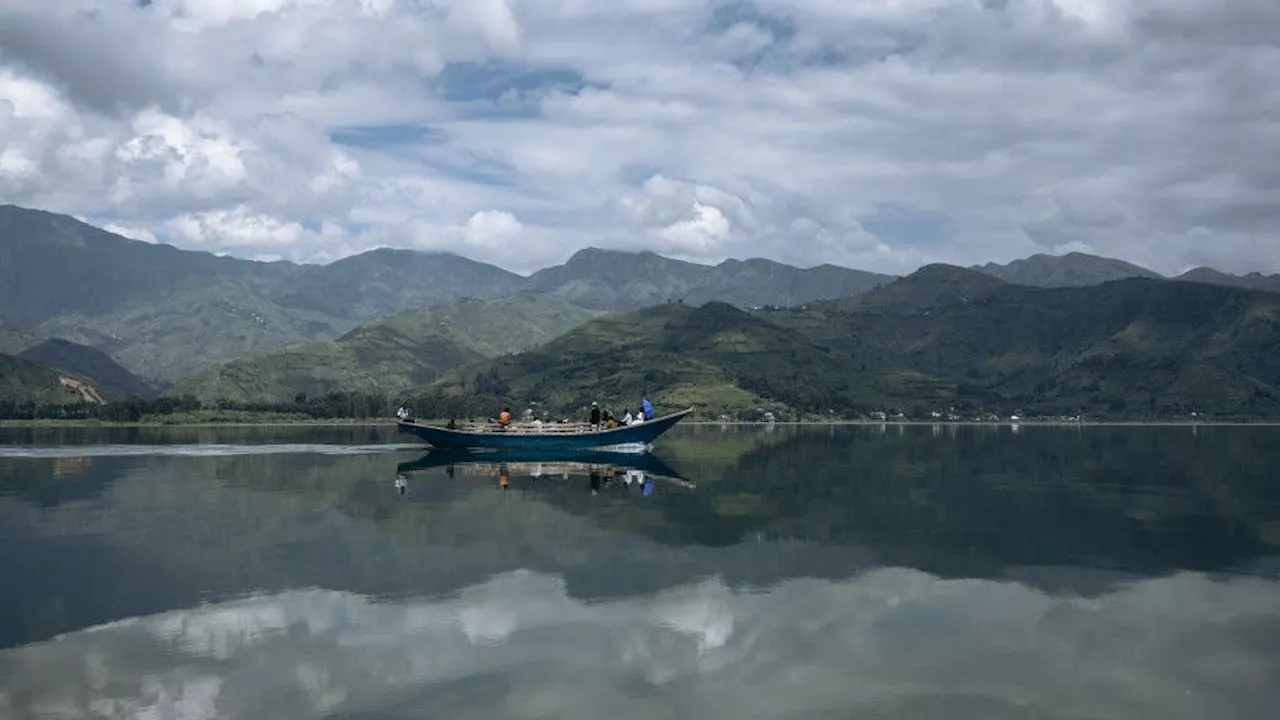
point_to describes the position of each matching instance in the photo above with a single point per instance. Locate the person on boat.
(504, 418)
(639, 418)
(627, 419)
(609, 421)
(404, 414)
(595, 414)
(647, 409)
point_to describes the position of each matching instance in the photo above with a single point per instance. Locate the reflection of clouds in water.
(892, 643)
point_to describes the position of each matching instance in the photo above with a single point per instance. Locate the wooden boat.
(548, 436)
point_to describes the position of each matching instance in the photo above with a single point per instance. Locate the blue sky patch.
(491, 81)
(904, 225)
(637, 174)
(473, 168)
(726, 16)
(377, 136)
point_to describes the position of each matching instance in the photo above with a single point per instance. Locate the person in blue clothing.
(647, 407)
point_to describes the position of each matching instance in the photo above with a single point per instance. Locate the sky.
(876, 134)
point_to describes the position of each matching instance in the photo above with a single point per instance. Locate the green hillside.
(496, 327)
(717, 357)
(375, 360)
(942, 338)
(89, 362)
(1135, 347)
(393, 355)
(24, 381)
(193, 329)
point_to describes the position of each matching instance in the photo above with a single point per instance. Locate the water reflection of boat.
(546, 463)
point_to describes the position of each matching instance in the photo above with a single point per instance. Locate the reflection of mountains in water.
(543, 463)
(976, 503)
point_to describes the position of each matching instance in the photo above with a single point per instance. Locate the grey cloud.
(1234, 23)
(91, 55)
(810, 112)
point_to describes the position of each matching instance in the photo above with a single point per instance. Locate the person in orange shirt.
(504, 418)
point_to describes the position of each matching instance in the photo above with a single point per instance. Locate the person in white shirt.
(626, 419)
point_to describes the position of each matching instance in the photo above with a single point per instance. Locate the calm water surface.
(919, 572)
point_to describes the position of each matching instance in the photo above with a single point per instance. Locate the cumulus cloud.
(491, 229)
(699, 128)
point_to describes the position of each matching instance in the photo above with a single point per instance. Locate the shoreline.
(381, 422)
(352, 422)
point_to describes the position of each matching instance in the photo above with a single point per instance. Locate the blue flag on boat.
(647, 407)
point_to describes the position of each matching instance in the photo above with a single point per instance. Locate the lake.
(739, 572)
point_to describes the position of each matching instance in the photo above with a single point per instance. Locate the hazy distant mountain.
(1071, 270)
(758, 282)
(51, 265)
(90, 363)
(392, 355)
(380, 282)
(13, 339)
(1255, 281)
(198, 326)
(611, 279)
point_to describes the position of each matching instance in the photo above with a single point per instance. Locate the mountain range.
(393, 355)
(165, 313)
(944, 339)
(80, 299)
(1077, 269)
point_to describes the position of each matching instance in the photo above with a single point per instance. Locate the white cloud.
(199, 156)
(238, 227)
(132, 233)
(491, 229)
(1130, 127)
(698, 235)
(30, 99)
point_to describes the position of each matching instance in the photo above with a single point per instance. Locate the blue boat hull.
(643, 434)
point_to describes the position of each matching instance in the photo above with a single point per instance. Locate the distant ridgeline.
(121, 329)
